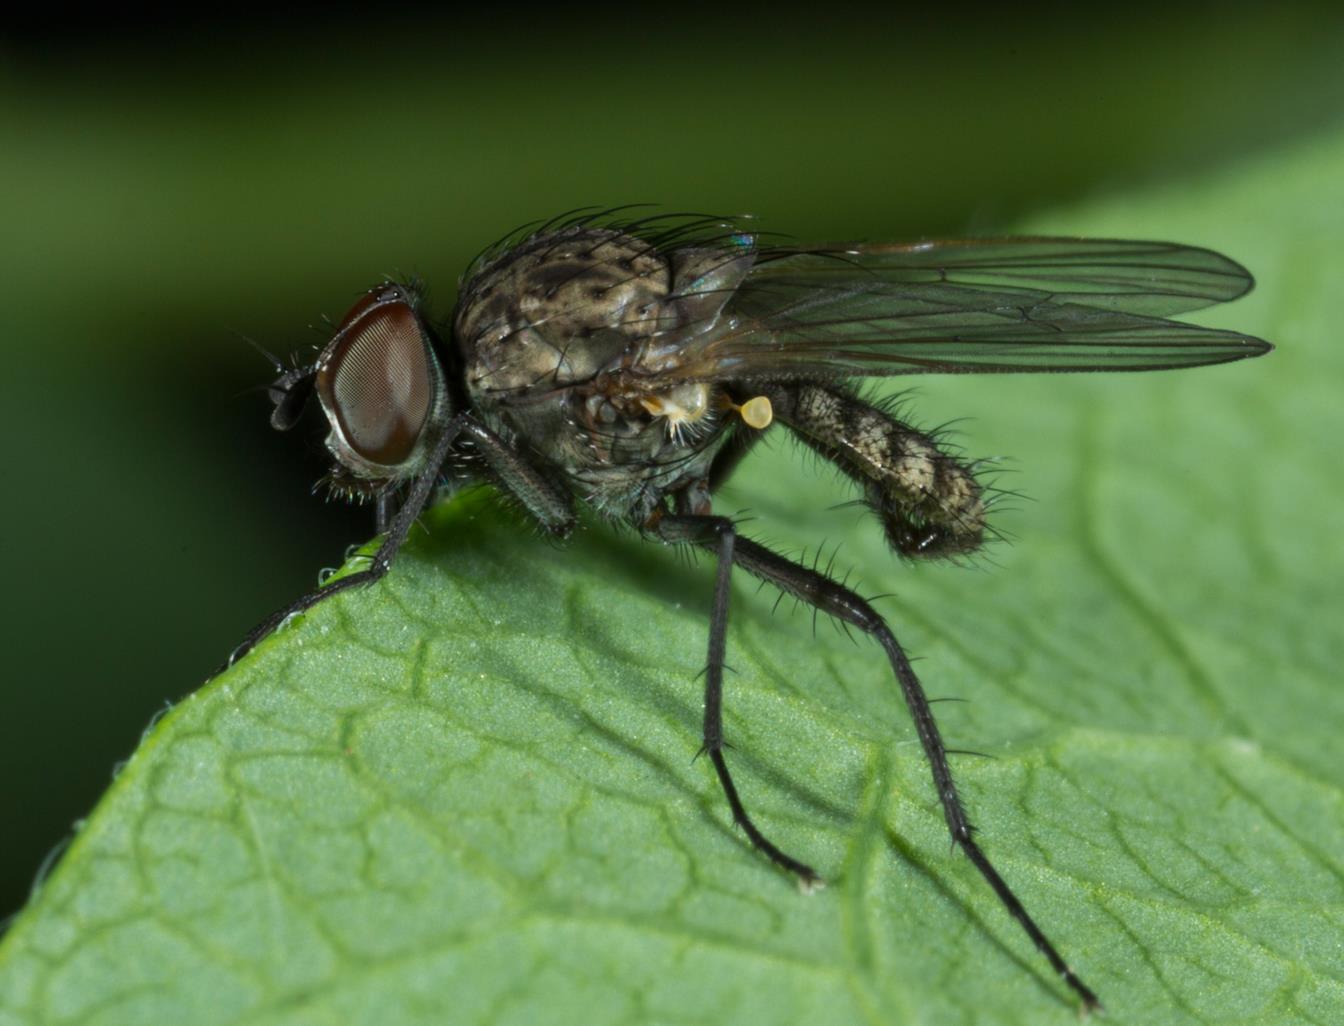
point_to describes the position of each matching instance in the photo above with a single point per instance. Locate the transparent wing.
(993, 306)
(1155, 279)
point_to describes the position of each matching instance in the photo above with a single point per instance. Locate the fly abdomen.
(928, 500)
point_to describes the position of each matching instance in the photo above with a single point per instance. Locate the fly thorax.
(555, 310)
(560, 337)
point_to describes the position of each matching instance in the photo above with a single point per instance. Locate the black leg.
(549, 505)
(384, 506)
(819, 591)
(552, 507)
(397, 533)
(719, 535)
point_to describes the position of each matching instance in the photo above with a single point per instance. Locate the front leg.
(552, 508)
(398, 530)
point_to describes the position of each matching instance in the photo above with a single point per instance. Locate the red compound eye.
(376, 380)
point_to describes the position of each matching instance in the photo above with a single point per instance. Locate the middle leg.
(719, 536)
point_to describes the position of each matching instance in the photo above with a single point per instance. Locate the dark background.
(165, 192)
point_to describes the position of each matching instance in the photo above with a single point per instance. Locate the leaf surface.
(468, 794)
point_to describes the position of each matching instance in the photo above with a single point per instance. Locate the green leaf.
(468, 794)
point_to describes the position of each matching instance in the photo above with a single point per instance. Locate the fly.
(630, 365)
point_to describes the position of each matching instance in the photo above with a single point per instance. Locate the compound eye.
(375, 379)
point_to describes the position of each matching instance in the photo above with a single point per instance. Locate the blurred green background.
(165, 194)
